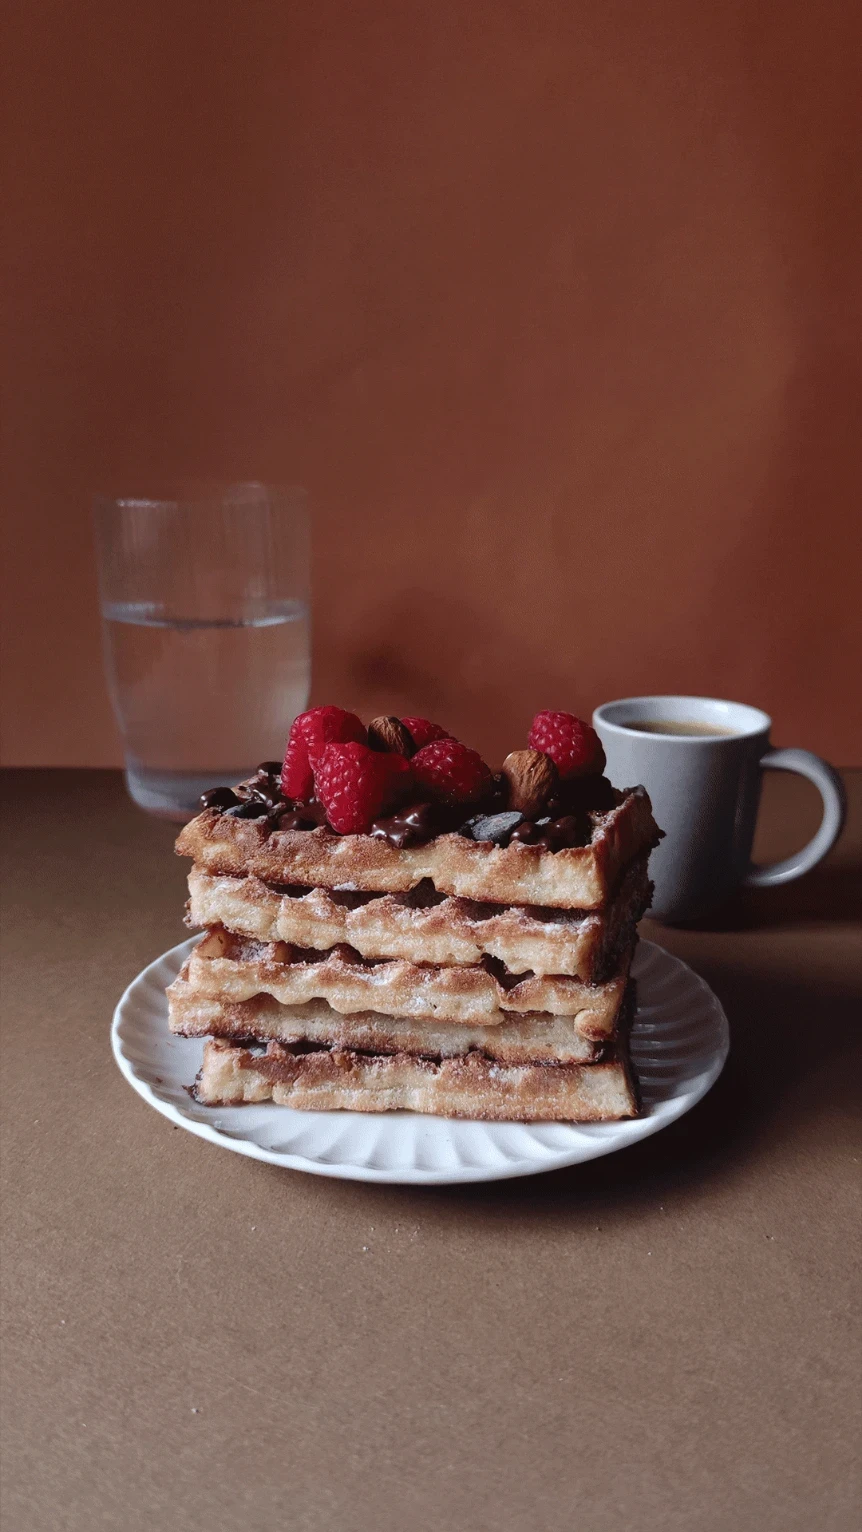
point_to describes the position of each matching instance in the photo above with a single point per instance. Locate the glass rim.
(187, 494)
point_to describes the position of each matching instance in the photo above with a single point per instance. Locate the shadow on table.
(781, 1034)
(829, 893)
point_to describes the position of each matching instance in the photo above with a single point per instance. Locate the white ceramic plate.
(679, 1044)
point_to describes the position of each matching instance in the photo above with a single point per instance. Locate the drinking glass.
(205, 620)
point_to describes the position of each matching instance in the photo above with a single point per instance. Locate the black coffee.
(673, 726)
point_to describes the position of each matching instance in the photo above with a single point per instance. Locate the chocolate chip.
(295, 819)
(295, 815)
(264, 787)
(253, 809)
(219, 798)
(569, 829)
(313, 811)
(559, 833)
(555, 834)
(495, 827)
(525, 834)
(246, 791)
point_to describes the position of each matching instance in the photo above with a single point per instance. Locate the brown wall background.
(554, 307)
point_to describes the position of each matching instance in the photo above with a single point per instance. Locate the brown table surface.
(663, 1339)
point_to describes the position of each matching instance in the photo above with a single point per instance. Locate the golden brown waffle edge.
(443, 930)
(472, 1086)
(537, 1039)
(228, 967)
(577, 877)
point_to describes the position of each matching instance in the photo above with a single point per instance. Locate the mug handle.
(831, 789)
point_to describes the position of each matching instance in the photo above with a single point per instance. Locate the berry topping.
(574, 747)
(450, 772)
(355, 784)
(422, 731)
(309, 734)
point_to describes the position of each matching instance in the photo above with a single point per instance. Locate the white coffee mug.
(705, 789)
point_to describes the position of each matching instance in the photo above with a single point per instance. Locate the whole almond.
(532, 777)
(389, 734)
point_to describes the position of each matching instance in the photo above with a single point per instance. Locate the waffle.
(577, 877)
(424, 926)
(228, 967)
(472, 1086)
(534, 1039)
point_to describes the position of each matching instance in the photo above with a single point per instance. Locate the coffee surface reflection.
(685, 727)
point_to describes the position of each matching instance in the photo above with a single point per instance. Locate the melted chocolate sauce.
(253, 808)
(416, 824)
(299, 816)
(555, 834)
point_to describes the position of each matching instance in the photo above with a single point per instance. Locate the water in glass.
(203, 702)
(206, 635)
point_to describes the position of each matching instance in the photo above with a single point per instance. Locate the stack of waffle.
(458, 976)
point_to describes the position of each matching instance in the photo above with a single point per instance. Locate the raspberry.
(574, 747)
(450, 772)
(355, 784)
(309, 733)
(422, 731)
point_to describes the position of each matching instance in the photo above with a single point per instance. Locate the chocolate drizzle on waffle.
(465, 950)
(566, 823)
